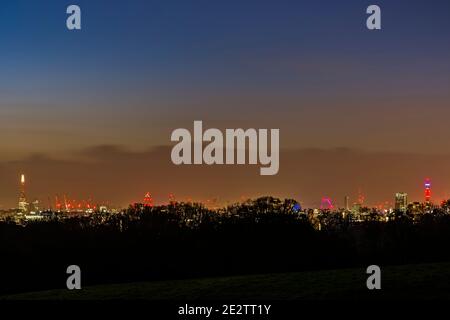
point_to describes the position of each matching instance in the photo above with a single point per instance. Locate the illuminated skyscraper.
(401, 201)
(23, 204)
(427, 191)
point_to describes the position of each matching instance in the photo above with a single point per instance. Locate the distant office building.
(36, 207)
(401, 201)
(416, 207)
(23, 204)
(346, 203)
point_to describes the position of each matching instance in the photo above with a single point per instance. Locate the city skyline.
(64, 201)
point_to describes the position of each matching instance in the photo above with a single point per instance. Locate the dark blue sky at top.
(165, 57)
(137, 44)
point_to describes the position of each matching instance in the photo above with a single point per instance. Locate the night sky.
(90, 112)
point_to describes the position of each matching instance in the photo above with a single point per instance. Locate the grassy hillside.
(424, 281)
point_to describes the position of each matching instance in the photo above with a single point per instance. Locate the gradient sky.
(140, 69)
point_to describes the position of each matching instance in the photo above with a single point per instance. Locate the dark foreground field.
(422, 281)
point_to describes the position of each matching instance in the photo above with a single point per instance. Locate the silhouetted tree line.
(187, 240)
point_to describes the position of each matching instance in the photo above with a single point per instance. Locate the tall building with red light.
(427, 190)
(23, 204)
